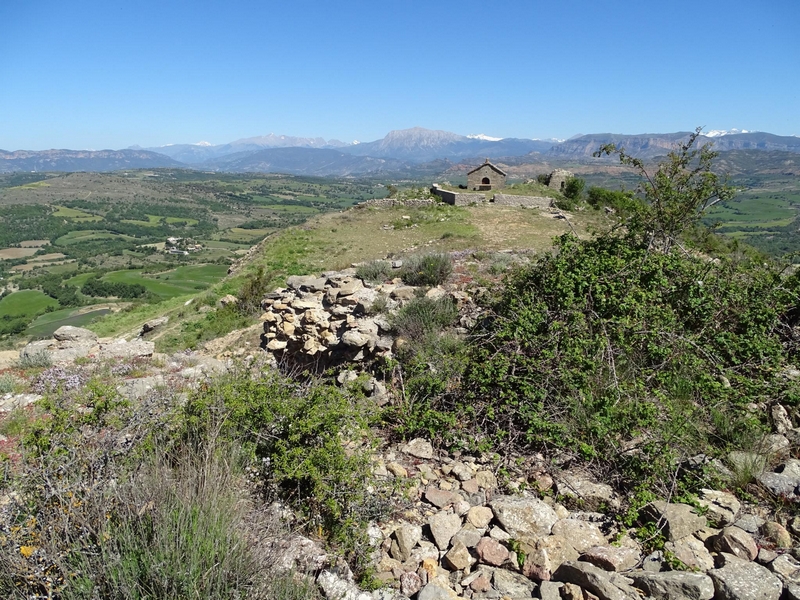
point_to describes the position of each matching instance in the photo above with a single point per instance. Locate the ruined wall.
(526, 201)
(458, 198)
(391, 202)
(558, 178)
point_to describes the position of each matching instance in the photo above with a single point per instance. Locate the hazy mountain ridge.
(650, 145)
(400, 151)
(203, 152)
(83, 160)
(304, 161)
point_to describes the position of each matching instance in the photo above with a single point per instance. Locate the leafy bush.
(312, 442)
(428, 269)
(119, 501)
(573, 188)
(604, 342)
(624, 203)
(375, 271)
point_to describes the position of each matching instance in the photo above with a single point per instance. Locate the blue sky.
(109, 74)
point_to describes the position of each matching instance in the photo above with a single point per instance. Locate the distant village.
(177, 245)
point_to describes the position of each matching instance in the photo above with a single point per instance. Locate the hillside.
(413, 400)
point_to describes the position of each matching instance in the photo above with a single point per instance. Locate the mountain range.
(406, 151)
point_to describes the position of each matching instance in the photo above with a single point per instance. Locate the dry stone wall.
(526, 201)
(331, 319)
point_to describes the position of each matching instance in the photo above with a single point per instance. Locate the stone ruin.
(558, 179)
(334, 319)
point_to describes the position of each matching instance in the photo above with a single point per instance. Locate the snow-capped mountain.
(721, 132)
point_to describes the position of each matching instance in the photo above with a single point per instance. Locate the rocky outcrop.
(71, 343)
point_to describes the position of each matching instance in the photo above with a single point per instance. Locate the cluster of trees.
(52, 285)
(105, 289)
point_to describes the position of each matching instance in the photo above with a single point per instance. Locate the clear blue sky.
(109, 74)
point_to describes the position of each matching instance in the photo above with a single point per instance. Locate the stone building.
(558, 179)
(486, 177)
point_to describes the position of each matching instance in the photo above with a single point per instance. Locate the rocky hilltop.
(469, 525)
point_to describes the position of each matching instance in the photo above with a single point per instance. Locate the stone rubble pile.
(462, 538)
(334, 319)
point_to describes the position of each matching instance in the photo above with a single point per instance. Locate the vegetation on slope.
(626, 350)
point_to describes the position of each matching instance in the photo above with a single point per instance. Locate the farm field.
(11, 253)
(25, 302)
(184, 280)
(45, 325)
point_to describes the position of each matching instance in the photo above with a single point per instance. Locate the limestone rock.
(126, 350)
(458, 557)
(691, 552)
(480, 516)
(406, 536)
(512, 584)
(738, 542)
(298, 554)
(443, 527)
(436, 591)
(523, 516)
(468, 535)
(579, 534)
(550, 590)
(605, 585)
(750, 523)
(440, 498)
(777, 534)
(743, 580)
(780, 419)
(580, 485)
(228, 300)
(419, 448)
(546, 554)
(613, 558)
(722, 506)
(336, 587)
(306, 283)
(675, 585)
(486, 480)
(355, 338)
(68, 333)
(679, 520)
(786, 568)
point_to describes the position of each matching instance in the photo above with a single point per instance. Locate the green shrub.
(8, 383)
(428, 269)
(375, 271)
(573, 188)
(312, 442)
(40, 359)
(604, 341)
(178, 532)
(424, 316)
(252, 293)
